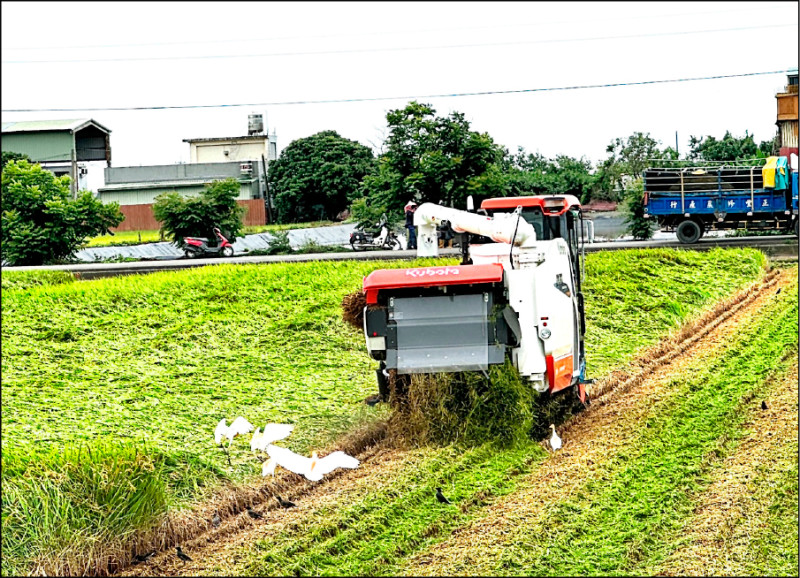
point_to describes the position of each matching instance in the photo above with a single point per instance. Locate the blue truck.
(692, 200)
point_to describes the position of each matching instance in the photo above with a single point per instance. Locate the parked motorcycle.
(382, 237)
(199, 246)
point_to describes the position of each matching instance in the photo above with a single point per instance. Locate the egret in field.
(272, 433)
(268, 467)
(555, 441)
(312, 468)
(240, 426)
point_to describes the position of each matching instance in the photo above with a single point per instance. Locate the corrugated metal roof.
(41, 125)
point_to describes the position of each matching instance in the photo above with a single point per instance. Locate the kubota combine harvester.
(517, 295)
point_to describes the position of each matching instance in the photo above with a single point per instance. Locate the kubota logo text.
(432, 272)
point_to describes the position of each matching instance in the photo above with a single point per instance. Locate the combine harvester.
(517, 296)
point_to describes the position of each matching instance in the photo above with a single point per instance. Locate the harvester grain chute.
(516, 296)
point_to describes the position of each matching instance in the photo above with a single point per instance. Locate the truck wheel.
(689, 232)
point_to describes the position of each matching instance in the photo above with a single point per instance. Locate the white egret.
(240, 426)
(312, 468)
(272, 433)
(254, 439)
(268, 467)
(555, 441)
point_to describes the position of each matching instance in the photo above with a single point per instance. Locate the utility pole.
(676, 144)
(266, 187)
(74, 171)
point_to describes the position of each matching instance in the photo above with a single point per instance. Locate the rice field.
(111, 389)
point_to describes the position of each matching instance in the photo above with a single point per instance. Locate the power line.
(412, 97)
(393, 49)
(384, 32)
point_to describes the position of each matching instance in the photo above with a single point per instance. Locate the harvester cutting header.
(517, 295)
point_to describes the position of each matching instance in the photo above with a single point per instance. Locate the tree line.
(424, 158)
(439, 159)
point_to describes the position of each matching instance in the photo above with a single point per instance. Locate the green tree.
(41, 222)
(729, 148)
(12, 156)
(633, 209)
(635, 153)
(627, 157)
(216, 206)
(317, 177)
(533, 174)
(434, 159)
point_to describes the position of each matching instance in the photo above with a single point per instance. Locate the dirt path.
(620, 402)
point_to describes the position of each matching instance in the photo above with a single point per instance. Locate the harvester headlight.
(544, 333)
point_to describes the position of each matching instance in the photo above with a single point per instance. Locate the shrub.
(41, 224)
(633, 208)
(197, 216)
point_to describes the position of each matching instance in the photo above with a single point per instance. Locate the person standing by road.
(410, 208)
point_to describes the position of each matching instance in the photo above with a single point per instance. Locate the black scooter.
(381, 238)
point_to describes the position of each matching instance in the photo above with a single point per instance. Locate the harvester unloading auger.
(517, 297)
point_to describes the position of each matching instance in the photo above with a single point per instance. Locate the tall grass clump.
(464, 407)
(61, 505)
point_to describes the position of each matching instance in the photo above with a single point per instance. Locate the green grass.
(125, 238)
(155, 361)
(633, 296)
(154, 236)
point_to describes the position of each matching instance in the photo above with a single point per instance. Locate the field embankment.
(130, 375)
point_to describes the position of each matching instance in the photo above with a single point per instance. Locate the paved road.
(774, 246)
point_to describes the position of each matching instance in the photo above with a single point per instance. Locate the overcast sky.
(280, 59)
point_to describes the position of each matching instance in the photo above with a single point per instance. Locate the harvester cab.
(517, 296)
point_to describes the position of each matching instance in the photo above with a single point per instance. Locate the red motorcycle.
(199, 247)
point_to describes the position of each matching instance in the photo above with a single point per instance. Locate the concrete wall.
(215, 152)
(141, 185)
(178, 172)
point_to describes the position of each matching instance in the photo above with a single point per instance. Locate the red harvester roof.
(429, 277)
(549, 204)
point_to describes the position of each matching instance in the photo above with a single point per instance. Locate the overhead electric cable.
(382, 33)
(391, 49)
(412, 97)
